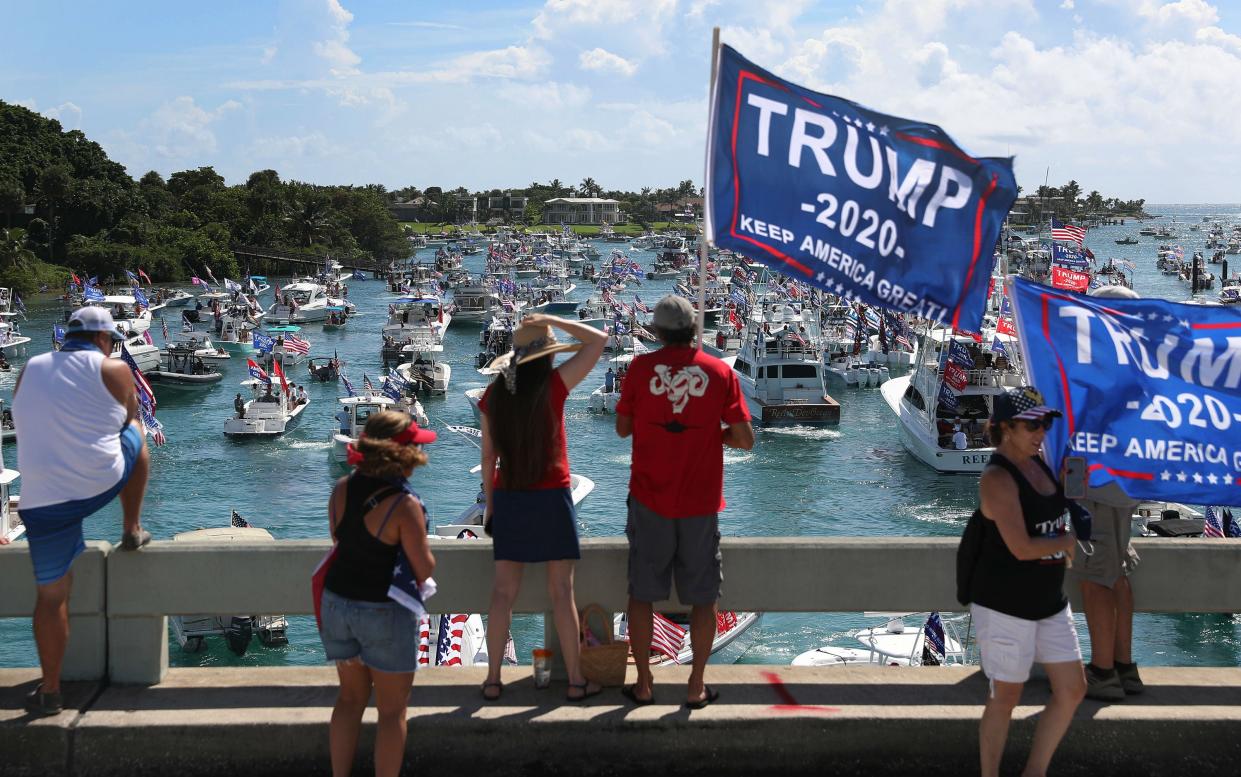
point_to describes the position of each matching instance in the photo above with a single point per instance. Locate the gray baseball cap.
(674, 313)
(93, 318)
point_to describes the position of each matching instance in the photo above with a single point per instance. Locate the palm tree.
(308, 216)
(13, 250)
(589, 187)
(54, 185)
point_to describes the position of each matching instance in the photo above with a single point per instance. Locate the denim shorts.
(383, 634)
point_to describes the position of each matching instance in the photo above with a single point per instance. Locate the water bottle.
(542, 668)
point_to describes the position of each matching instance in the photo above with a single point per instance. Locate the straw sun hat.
(530, 342)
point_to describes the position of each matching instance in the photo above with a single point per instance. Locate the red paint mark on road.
(788, 702)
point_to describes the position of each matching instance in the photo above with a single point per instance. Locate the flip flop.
(711, 696)
(630, 692)
(585, 693)
(498, 685)
(135, 540)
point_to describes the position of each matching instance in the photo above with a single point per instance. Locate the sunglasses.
(1043, 423)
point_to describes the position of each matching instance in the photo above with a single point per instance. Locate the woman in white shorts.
(1016, 588)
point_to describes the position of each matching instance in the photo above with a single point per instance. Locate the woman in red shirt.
(530, 513)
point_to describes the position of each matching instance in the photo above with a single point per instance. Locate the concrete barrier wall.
(135, 592)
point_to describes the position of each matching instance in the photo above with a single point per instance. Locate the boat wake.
(738, 458)
(807, 432)
(310, 445)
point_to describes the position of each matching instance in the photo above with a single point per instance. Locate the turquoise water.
(852, 480)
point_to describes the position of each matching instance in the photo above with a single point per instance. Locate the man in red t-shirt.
(681, 406)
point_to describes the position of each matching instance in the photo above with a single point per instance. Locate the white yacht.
(200, 343)
(413, 314)
(129, 317)
(11, 337)
(478, 304)
(182, 366)
(779, 369)
(11, 526)
(423, 366)
(145, 355)
(308, 302)
(268, 413)
(351, 419)
(192, 631)
(927, 425)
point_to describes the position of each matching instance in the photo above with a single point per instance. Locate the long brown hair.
(522, 429)
(382, 457)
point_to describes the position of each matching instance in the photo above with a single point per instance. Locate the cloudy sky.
(1134, 98)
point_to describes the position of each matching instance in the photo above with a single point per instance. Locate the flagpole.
(706, 189)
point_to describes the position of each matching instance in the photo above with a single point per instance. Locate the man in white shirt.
(959, 439)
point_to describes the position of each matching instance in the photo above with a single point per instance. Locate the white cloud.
(1067, 5)
(605, 61)
(181, 129)
(1191, 13)
(548, 95)
(309, 144)
(510, 62)
(311, 41)
(427, 25)
(67, 113)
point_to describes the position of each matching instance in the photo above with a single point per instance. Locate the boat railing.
(991, 377)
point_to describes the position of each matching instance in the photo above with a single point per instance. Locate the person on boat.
(530, 512)
(609, 381)
(342, 417)
(4, 363)
(681, 406)
(1107, 598)
(374, 516)
(268, 396)
(302, 399)
(960, 441)
(80, 443)
(239, 405)
(1016, 587)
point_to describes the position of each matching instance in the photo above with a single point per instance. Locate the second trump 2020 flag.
(885, 210)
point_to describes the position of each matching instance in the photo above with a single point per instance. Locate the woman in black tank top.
(374, 517)
(1016, 589)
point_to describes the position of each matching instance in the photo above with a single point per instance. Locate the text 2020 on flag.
(873, 207)
(1150, 390)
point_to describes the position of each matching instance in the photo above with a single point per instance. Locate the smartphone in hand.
(1076, 479)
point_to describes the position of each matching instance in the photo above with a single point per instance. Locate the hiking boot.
(1129, 679)
(1103, 684)
(45, 704)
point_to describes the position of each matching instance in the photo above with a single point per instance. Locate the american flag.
(1211, 526)
(366, 382)
(424, 640)
(933, 641)
(1067, 232)
(667, 637)
(295, 344)
(164, 324)
(239, 522)
(145, 394)
(452, 632)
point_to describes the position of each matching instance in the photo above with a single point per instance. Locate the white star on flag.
(870, 126)
(1197, 478)
(883, 131)
(1168, 319)
(1153, 315)
(1212, 479)
(1228, 480)
(1165, 475)
(820, 276)
(1181, 476)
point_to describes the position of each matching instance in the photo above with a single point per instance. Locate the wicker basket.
(604, 663)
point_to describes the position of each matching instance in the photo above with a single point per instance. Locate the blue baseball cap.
(93, 318)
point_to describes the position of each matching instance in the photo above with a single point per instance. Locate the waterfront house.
(581, 210)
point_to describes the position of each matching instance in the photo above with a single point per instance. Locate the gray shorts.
(1113, 555)
(661, 548)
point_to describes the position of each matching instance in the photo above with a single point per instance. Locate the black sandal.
(585, 693)
(630, 692)
(709, 696)
(498, 685)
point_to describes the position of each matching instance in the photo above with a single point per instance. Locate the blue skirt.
(534, 526)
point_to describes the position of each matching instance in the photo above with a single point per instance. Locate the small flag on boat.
(58, 333)
(295, 344)
(146, 337)
(391, 391)
(366, 383)
(667, 637)
(145, 277)
(239, 522)
(1067, 232)
(153, 427)
(209, 274)
(132, 277)
(164, 325)
(958, 353)
(1231, 529)
(196, 281)
(141, 298)
(263, 343)
(92, 294)
(348, 384)
(232, 285)
(1211, 526)
(278, 371)
(145, 394)
(933, 652)
(997, 347)
(257, 372)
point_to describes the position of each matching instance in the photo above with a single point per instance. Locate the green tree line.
(64, 204)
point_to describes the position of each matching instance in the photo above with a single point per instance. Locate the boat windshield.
(363, 412)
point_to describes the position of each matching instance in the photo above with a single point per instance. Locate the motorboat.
(201, 344)
(855, 373)
(145, 355)
(926, 421)
(496, 338)
(130, 317)
(11, 526)
(267, 414)
(604, 401)
(477, 304)
(285, 354)
(897, 644)
(351, 419)
(172, 298)
(1167, 519)
(423, 367)
(192, 631)
(337, 317)
(307, 301)
(258, 284)
(474, 396)
(1128, 240)
(183, 367)
(417, 314)
(778, 366)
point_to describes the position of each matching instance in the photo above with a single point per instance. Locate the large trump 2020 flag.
(1150, 390)
(885, 210)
